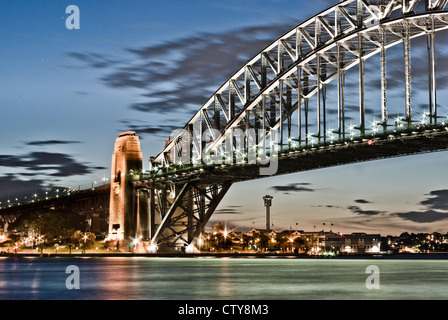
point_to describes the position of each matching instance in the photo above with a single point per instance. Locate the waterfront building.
(362, 243)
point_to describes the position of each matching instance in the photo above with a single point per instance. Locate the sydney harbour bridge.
(288, 109)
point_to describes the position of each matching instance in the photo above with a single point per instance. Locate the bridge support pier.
(126, 167)
(178, 213)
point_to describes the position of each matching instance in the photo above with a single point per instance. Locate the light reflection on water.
(221, 279)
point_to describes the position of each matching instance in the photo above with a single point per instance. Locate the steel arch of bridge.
(280, 81)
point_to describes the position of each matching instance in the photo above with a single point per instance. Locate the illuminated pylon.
(126, 167)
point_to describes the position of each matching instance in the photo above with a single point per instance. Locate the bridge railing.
(375, 132)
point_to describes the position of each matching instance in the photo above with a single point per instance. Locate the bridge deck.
(333, 154)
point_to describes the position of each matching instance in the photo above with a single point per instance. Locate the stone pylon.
(126, 167)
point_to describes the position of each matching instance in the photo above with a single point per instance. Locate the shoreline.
(397, 256)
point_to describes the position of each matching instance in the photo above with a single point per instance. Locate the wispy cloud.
(436, 208)
(362, 201)
(180, 74)
(423, 216)
(438, 200)
(145, 128)
(49, 142)
(229, 210)
(294, 187)
(94, 60)
(358, 210)
(53, 164)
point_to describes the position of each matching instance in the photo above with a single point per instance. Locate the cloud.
(438, 200)
(181, 74)
(81, 93)
(362, 201)
(358, 210)
(436, 208)
(38, 162)
(94, 60)
(227, 211)
(49, 142)
(423, 216)
(162, 130)
(293, 187)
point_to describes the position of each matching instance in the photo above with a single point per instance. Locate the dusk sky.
(147, 66)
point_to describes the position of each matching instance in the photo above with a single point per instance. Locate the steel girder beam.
(405, 142)
(354, 29)
(187, 214)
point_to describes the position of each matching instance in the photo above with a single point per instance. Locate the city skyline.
(66, 94)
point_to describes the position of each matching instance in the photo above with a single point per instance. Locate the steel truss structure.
(279, 84)
(179, 212)
(280, 81)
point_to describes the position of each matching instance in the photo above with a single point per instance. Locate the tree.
(264, 241)
(218, 227)
(54, 224)
(299, 243)
(80, 238)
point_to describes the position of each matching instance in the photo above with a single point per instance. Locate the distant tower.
(126, 164)
(267, 203)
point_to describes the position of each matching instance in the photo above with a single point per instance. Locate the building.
(362, 243)
(336, 243)
(299, 241)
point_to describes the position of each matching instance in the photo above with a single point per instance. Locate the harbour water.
(212, 278)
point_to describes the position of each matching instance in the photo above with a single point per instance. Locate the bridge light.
(398, 119)
(424, 118)
(152, 248)
(190, 248)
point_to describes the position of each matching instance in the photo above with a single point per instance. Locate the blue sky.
(148, 66)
